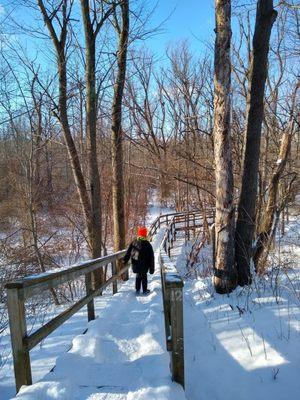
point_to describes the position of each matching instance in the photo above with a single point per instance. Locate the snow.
(245, 345)
(43, 356)
(155, 209)
(121, 356)
(241, 346)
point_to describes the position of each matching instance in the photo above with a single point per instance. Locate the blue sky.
(186, 19)
(181, 19)
(191, 20)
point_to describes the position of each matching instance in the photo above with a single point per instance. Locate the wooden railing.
(172, 286)
(188, 220)
(20, 290)
(172, 293)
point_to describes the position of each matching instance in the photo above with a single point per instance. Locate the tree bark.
(91, 208)
(225, 275)
(116, 131)
(265, 18)
(91, 118)
(95, 234)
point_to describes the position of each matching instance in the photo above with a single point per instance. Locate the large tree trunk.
(116, 132)
(89, 214)
(225, 276)
(95, 233)
(265, 17)
(91, 118)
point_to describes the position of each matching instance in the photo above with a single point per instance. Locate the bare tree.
(245, 227)
(57, 19)
(267, 228)
(94, 15)
(225, 274)
(122, 29)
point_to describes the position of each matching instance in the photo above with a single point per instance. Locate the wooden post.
(168, 243)
(176, 316)
(213, 241)
(114, 272)
(172, 234)
(89, 289)
(18, 332)
(166, 303)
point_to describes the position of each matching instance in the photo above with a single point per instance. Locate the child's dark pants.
(141, 279)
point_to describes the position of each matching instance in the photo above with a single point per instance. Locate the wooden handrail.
(172, 291)
(32, 340)
(20, 290)
(165, 218)
(34, 284)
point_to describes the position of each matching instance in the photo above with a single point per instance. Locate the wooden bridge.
(172, 286)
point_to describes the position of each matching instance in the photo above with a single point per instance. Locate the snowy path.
(249, 354)
(121, 356)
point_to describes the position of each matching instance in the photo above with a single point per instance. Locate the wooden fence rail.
(172, 288)
(20, 290)
(172, 293)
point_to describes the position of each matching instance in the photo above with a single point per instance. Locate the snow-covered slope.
(246, 345)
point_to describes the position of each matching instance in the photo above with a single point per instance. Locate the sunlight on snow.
(260, 353)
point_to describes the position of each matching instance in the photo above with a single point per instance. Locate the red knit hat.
(142, 231)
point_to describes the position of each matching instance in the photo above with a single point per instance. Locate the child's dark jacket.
(145, 261)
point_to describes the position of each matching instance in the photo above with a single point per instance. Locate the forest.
(95, 127)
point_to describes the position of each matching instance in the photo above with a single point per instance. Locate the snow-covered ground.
(121, 356)
(238, 347)
(155, 209)
(245, 345)
(43, 357)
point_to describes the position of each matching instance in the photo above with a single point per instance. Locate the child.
(142, 257)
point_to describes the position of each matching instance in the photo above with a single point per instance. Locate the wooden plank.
(183, 228)
(89, 290)
(172, 285)
(213, 239)
(36, 283)
(177, 354)
(173, 280)
(114, 272)
(166, 307)
(18, 331)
